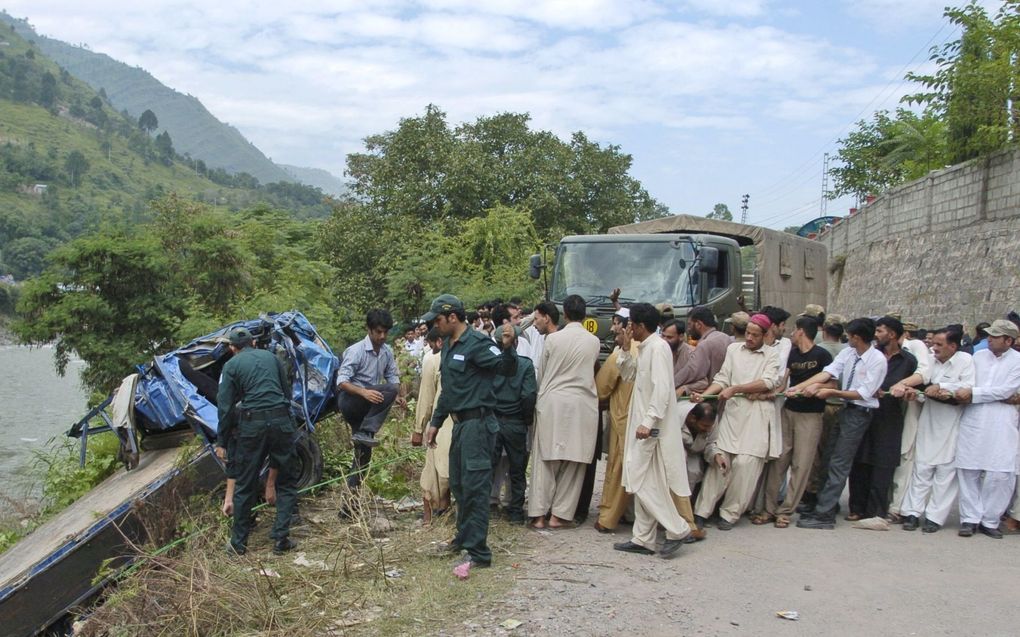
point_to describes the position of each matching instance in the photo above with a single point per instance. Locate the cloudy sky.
(713, 98)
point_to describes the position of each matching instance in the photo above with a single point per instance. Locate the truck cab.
(684, 270)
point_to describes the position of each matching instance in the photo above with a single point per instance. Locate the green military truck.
(685, 261)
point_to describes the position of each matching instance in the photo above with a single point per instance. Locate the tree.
(26, 256)
(974, 89)
(48, 90)
(75, 165)
(425, 169)
(165, 148)
(861, 166)
(720, 211)
(110, 299)
(148, 122)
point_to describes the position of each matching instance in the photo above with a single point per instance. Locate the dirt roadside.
(843, 582)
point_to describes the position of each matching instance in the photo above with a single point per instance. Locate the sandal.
(852, 517)
(763, 518)
(782, 522)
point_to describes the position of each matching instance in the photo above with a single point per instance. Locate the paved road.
(842, 582)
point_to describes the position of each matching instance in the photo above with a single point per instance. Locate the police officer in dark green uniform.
(470, 361)
(253, 404)
(515, 412)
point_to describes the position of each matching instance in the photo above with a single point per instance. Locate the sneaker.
(366, 439)
(817, 522)
(631, 547)
(283, 545)
(670, 547)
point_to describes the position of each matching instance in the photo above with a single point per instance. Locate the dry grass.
(378, 574)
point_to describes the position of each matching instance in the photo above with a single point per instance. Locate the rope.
(166, 547)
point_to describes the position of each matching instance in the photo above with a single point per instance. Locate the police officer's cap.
(240, 337)
(444, 304)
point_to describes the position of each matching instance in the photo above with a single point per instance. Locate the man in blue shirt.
(369, 385)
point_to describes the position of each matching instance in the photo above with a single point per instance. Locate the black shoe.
(724, 525)
(366, 439)
(670, 547)
(515, 521)
(827, 522)
(910, 523)
(700, 522)
(601, 529)
(631, 547)
(930, 527)
(966, 529)
(283, 545)
(449, 547)
(805, 507)
(234, 550)
(995, 534)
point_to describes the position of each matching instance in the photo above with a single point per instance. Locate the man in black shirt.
(802, 427)
(879, 452)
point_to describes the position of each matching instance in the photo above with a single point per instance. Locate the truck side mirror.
(535, 266)
(709, 259)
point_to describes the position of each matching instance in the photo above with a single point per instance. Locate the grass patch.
(376, 574)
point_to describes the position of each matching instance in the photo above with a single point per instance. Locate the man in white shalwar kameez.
(747, 433)
(566, 419)
(435, 476)
(654, 462)
(932, 485)
(986, 448)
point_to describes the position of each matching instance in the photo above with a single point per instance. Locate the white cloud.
(306, 83)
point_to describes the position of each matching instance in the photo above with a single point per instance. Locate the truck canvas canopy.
(791, 271)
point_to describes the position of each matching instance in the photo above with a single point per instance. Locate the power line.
(895, 83)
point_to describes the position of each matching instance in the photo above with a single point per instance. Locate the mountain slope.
(317, 177)
(70, 163)
(194, 129)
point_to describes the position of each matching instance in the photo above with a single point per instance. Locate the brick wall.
(942, 249)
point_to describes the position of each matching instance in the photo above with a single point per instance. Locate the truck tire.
(309, 461)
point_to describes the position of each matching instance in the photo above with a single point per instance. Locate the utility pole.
(743, 208)
(825, 186)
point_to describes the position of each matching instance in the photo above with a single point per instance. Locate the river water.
(36, 408)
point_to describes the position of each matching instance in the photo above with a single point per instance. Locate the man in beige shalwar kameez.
(435, 477)
(654, 462)
(747, 433)
(566, 420)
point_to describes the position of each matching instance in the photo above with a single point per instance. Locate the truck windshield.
(645, 271)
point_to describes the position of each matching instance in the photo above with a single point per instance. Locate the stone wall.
(942, 249)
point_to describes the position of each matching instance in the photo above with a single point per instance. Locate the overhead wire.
(779, 189)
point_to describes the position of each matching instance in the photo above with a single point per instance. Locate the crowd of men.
(700, 423)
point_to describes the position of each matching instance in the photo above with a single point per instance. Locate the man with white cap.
(612, 387)
(744, 437)
(654, 466)
(986, 451)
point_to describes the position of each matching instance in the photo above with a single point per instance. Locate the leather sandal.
(763, 518)
(782, 522)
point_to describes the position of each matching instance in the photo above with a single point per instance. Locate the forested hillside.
(195, 130)
(71, 164)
